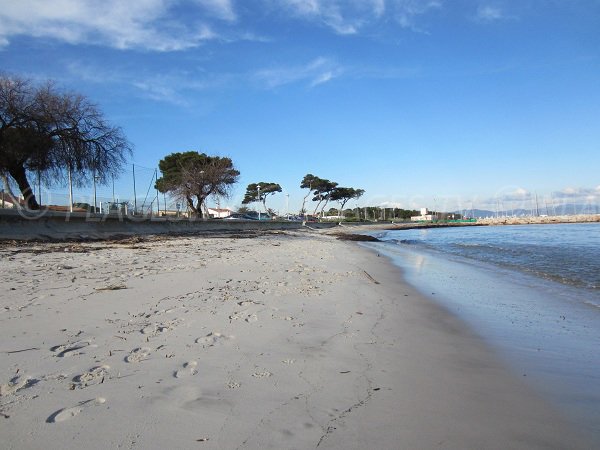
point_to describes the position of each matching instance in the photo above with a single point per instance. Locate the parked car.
(240, 216)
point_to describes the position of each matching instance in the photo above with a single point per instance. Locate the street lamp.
(95, 200)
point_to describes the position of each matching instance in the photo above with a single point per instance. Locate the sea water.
(531, 291)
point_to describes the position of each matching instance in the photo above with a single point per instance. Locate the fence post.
(134, 193)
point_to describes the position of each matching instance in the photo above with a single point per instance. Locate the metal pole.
(39, 188)
(70, 191)
(95, 192)
(157, 196)
(113, 180)
(134, 193)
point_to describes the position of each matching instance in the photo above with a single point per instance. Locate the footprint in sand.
(66, 350)
(17, 383)
(66, 413)
(156, 328)
(233, 385)
(93, 376)
(138, 354)
(189, 369)
(251, 318)
(235, 316)
(212, 339)
(262, 374)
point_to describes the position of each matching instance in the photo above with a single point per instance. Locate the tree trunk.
(323, 208)
(303, 211)
(20, 176)
(342, 209)
(190, 203)
(317, 208)
(6, 183)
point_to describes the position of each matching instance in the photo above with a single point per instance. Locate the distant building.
(10, 201)
(424, 217)
(219, 213)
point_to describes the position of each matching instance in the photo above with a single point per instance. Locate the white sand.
(282, 341)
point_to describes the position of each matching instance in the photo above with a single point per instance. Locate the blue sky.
(419, 102)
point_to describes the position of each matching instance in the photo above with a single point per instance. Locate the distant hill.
(567, 209)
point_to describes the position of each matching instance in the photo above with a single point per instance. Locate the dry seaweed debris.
(356, 237)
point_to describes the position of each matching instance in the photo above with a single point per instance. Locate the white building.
(219, 213)
(424, 217)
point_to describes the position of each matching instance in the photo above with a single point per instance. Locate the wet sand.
(285, 340)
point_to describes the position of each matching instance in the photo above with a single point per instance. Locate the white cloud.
(406, 11)
(510, 194)
(378, 7)
(348, 17)
(390, 204)
(167, 87)
(578, 193)
(488, 13)
(318, 71)
(222, 9)
(141, 24)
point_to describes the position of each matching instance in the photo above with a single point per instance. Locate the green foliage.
(192, 175)
(376, 213)
(322, 192)
(258, 192)
(308, 182)
(344, 195)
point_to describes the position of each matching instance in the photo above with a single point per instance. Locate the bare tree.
(52, 133)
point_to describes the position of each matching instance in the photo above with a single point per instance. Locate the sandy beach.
(284, 340)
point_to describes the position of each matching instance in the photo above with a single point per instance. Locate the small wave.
(406, 242)
(588, 302)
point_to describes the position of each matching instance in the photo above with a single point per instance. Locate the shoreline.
(539, 328)
(285, 340)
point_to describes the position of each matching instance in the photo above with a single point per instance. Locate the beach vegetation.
(309, 182)
(258, 192)
(344, 194)
(54, 136)
(193, 177)
(322, 193)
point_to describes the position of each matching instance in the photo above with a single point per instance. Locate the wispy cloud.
(406, 11)
(488, 13)
(316, 72)
(578, 193)
(143, 24)
(518, 197)
(349, 17)
(222, 9)
(171, 87)
(175, 25)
